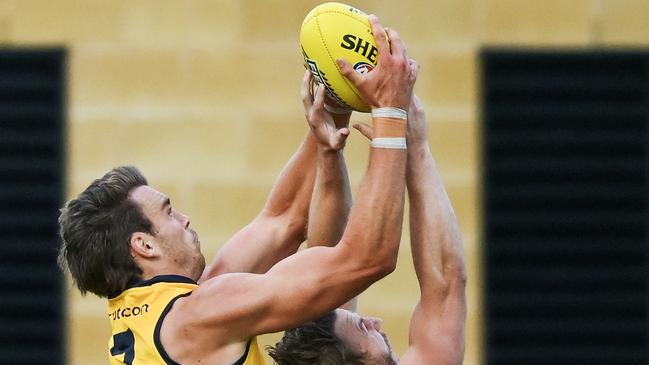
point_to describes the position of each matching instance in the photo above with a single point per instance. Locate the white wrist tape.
(396, 143)
(390, 113)
(336, 110)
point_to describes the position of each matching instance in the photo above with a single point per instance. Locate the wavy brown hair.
(95, 230)
(314, 343)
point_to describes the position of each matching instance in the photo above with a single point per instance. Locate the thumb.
(340, 138)
(365, 130)
(348, 71)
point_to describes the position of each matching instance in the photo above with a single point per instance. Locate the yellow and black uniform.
(136, 316)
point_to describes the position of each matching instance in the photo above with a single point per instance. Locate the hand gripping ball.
(331, 31)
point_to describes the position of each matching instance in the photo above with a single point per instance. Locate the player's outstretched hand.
(322, 124)
(417, 133)
(390, 83)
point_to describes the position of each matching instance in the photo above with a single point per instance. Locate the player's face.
(364, 334)
(171, 230)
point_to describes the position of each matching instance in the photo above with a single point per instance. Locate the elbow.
(374, 273)
(286, 229)
(383, 267)
(372, 269)
(389, 265)
(463, 277)
(457, 274)
(374, 263)
(295, 229)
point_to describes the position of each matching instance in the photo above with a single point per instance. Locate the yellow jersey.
(136, 316)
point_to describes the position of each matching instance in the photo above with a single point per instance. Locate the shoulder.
(209, 322)
(218, 307)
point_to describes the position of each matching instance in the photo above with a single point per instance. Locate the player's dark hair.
(95, 230)
(314, 343)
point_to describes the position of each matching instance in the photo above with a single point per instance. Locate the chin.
(199, 268)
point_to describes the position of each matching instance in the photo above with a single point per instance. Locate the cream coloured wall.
(203, 96)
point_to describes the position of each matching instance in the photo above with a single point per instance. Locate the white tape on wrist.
(390, 113)
(336, 110)
(396, 143)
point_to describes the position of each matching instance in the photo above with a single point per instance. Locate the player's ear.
(142, 244)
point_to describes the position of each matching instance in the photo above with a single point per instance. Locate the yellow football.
(331, 31)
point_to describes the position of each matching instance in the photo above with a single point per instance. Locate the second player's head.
(340, 337)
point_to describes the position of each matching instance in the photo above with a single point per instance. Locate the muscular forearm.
(331, 200)
(330, 203)
(435, 237)
(374, 227)
(367, 251)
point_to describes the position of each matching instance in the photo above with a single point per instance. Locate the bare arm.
(279, 229)
(332, 199)
(312, 282)
(233, 307)
(437, 328)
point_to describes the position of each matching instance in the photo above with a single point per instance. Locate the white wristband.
(390, 113)
(336, 110)
(397, 143)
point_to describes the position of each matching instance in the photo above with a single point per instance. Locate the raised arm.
(314, 281)
(437, 328)
(279, 229)
(332, 198)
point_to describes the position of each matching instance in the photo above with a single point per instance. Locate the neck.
(151, 270)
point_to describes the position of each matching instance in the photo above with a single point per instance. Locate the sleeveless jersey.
(136, 316)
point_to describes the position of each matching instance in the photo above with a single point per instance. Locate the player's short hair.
(95, 230)
(315, 343)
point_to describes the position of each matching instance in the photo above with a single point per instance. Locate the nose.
(184, 220)
(373, 323)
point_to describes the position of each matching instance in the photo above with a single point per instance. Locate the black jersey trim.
(157, 279)
(243, 357)
(156, 332)
(163, 279)
(161, 349)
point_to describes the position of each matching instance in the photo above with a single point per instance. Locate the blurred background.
(538, 114)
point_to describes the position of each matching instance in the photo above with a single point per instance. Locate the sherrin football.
(331, 31)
